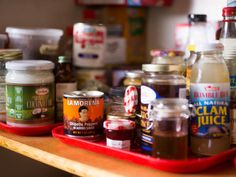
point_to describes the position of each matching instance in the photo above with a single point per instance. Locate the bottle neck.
(229, 19)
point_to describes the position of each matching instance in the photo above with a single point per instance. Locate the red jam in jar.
(119, 133)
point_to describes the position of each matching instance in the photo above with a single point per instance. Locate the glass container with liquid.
(210, 94)
(170, 129)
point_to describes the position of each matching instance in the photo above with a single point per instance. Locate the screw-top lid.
(10, 54)
(161, 68)
(213, 46)
(134, 74)
(64, 59)
(30, 65)
(117, 91)
(229, 11)
(192, 18)
(119, 124)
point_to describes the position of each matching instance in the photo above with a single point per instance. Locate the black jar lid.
(192, 18)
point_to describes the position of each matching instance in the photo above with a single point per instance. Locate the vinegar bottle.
(210, 94)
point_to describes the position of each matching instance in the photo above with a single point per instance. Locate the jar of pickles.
(158, 81)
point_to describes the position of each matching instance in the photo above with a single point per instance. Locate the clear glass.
(170, 127)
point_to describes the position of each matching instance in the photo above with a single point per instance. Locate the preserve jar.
(119, 133)
(30, 93)
(170, 127)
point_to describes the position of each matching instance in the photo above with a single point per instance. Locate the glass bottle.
(197, 35)
(228, 39)
(210, 94)
(65, 82)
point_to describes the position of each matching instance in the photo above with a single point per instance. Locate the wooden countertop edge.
(56, 161)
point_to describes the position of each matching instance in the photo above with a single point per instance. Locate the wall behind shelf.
(59, 14)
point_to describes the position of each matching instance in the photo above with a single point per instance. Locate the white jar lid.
(30, 65)
(35, 31)
(212, 46)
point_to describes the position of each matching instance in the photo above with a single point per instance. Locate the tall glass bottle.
(228, 39)
(65, 82)
(210, 94)
(197, 35)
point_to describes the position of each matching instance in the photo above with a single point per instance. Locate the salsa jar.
(158, 81)
(30, 93)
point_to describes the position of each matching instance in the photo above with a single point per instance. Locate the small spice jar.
(30, 93)
(119, 133)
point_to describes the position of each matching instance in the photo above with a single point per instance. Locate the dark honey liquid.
(170, 146)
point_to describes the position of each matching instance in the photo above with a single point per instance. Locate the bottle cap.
(229, 11)
(197, 18)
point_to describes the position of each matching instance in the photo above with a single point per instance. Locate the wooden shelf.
(51, 151)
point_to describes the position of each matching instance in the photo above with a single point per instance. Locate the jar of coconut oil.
(29, 93)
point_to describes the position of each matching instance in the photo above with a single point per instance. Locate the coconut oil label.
(211, 101)
(30, 103)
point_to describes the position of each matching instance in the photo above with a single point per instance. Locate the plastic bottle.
(210, 94)
(228, 39)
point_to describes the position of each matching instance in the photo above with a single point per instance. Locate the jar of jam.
(158, 81)
(119, 133)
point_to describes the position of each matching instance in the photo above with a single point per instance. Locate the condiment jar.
(5, 56)
(30, 93)
(170, 127)
(133, 77)
(159, 81)
(119, 133)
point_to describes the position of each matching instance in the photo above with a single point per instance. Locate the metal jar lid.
(134, 74)
(10, 54)
(84, 94)
(162, 68)
(119, 115)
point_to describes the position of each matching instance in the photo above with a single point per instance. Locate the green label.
(33, 102)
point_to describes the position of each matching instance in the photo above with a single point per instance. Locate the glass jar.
(133, 77)
(159, 81)
(119, 133)
(170, 127)
(30, 93)
(5, 56)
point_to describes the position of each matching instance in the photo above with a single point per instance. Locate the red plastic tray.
(177, 166)
(29, 131)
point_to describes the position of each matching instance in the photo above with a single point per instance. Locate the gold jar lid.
(119, 115)
(10, 54)
(134, 74)
(162, 68)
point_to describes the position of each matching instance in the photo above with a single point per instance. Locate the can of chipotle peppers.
(83, 113)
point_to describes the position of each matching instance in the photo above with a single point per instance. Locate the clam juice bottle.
(210, 94)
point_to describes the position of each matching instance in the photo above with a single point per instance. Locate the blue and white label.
(211, 102)
(233, 81)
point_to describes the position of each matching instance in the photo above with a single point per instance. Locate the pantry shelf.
(51, 151)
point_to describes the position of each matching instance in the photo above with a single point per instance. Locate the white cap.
(211, 46)
(30, 65)
(35, 31)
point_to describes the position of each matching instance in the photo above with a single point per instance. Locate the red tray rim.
(176, 166)
(29, 131)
